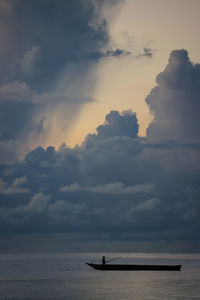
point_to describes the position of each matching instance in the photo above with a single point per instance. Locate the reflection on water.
(65, 276)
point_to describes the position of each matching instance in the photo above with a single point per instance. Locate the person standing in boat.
(103, 260)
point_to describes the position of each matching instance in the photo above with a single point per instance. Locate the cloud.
(22, 213)
(147, 52)
(13, 188)
(71, 188)
(116, 186)
(37, 204)
(147, 205)
(62, 208)
(174, 102)
(116, 124)
(110, 188)
(44, 24)
(53, 71)
(16, 91)
(44, 70)
(119, 53)
(14, 116)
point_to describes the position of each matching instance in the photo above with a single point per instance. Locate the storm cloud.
(117, 186)
(47, 66)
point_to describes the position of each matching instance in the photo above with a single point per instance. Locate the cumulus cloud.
(116, 124)
(174, 102)
(117, 185)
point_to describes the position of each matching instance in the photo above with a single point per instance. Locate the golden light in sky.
(66, 68)
(124, 82)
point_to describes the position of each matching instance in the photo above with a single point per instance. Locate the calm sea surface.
(65, 276)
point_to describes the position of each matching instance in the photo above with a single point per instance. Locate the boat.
(122, 267)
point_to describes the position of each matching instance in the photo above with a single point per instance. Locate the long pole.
(113, 259)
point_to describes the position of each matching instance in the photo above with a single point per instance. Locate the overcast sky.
(99, 125)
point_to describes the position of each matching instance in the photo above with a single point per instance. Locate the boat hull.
(121, 267)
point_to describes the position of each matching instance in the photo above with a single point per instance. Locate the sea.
(66, 276)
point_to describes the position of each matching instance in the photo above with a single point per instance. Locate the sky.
(99, 125)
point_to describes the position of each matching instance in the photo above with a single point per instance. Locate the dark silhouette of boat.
(122, 267)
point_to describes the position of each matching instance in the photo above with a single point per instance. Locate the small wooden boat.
(120, 267)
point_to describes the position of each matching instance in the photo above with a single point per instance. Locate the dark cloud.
(117, 124)
(147, 52)
(46, 36)
(15, 188)
(116, 186)
(119, 185)
(110, 53)
(13, 117)
(117, 53)
(8, 153)
(46, 59)
(47, 66)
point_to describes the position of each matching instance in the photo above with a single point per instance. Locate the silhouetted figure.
(103, 260)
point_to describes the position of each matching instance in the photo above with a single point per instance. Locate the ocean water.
(66, 276)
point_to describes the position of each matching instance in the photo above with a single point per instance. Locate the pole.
(113, 259)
